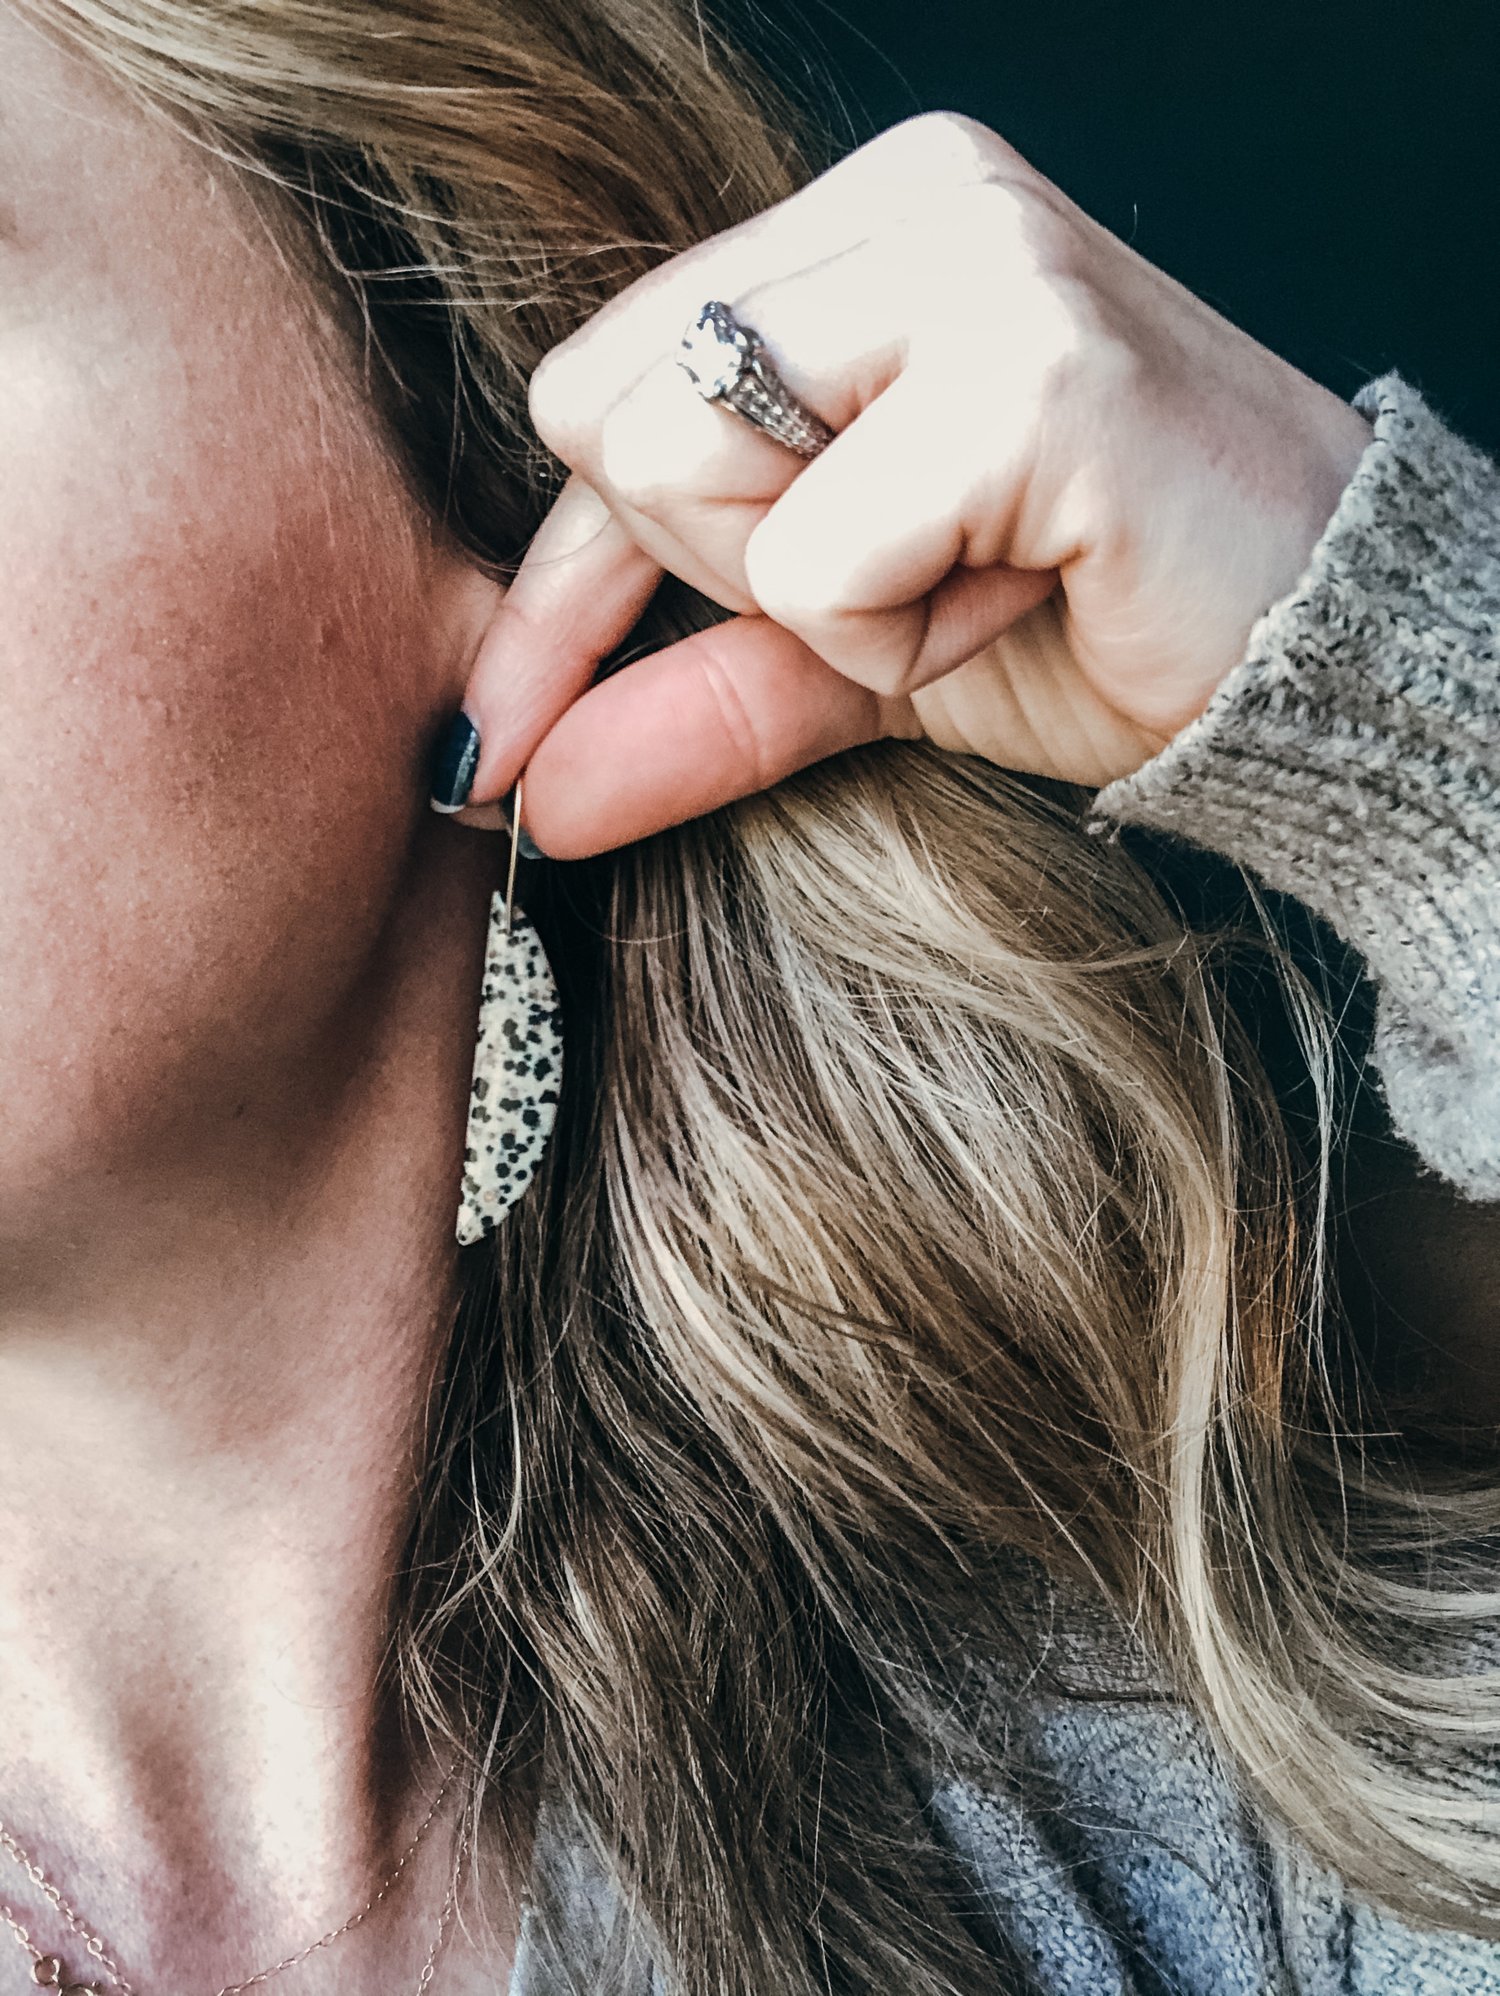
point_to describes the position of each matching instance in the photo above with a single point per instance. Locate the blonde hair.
(920, 1211)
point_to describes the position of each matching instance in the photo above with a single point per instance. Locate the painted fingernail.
(454, 761)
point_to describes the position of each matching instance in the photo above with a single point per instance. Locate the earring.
(517, 1062)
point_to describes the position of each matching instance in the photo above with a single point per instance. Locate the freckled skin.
(216, 653)
(239, 972)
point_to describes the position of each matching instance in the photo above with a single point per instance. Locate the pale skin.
(1062, 491)
(238, 957)
(1054, 465)
(238, 966)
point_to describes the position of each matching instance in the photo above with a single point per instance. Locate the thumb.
(716, 716)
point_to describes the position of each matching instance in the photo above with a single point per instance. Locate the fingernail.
(454, 761)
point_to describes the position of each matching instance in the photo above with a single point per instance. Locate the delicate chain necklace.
(47, 1969)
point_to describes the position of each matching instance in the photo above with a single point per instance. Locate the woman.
(897, 1506)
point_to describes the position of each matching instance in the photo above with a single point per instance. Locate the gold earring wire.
(515, 840)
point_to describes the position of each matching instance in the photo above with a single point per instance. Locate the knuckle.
(886, 670)
(948, 146)
(1011, 272)
(640, 457)
(974, 220)
(997, 230)
(1081, 348)
(553, 401)
(889, 681)
(808, 585)
(775, 560)
(745, 739)
(804, 569)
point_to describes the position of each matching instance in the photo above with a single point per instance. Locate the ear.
(467, 605)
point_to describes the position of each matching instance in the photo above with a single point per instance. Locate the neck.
(213, 1394)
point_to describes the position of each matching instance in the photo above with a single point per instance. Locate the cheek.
(216, 662)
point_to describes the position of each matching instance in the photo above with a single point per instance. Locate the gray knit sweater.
(1352, 759)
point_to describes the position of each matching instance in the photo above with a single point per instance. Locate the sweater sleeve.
(1352, 759)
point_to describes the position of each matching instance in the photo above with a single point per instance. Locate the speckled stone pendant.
(517, 1072)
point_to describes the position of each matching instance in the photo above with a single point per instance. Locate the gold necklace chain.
(46, 1969)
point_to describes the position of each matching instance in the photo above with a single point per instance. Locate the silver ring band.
(727, 363)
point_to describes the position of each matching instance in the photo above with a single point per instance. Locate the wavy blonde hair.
(919, 1213)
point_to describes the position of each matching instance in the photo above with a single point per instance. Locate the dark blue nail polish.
(454, 761)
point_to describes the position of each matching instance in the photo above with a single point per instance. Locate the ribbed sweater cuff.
(1352, 759)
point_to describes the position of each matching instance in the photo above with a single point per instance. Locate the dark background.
(1325, 176)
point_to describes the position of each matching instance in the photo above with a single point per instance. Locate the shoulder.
(1114, 1850)
(1101, 1832)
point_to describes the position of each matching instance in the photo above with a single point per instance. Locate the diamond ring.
(727, 363)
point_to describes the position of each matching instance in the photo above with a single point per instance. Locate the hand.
(1062, 492)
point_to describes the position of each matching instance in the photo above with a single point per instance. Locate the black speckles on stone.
(517, 1067)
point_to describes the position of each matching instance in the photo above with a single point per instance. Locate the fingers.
(886, 555)
(902, 170)
(691, 480)
(717, 716)
(662, 480)
(861, 562)
(935, 429)
(583, 584)
(866, 557)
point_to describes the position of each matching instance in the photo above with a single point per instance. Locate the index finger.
(899, 171)
(580, 588)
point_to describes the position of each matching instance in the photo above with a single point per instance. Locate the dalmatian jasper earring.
(517, 1062)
